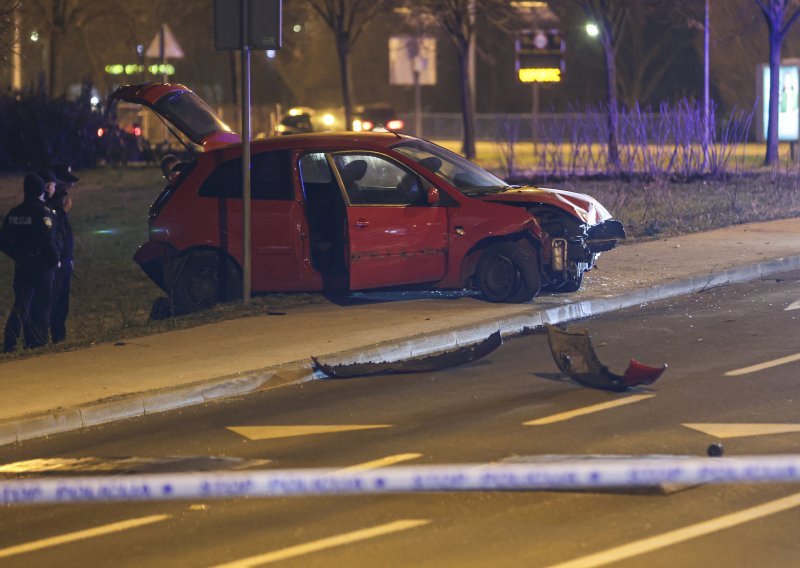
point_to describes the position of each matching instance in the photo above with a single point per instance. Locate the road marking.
(683, 534)
(743, 430)
(588, 410)
(324, 543)
(382, 462)
(793, 306)
(272, 432)
(762, 366)
(80, 535)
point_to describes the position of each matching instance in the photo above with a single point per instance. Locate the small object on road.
(575, 357)
(422, 364)
(275, 313)
(119, 344)
(715, 450)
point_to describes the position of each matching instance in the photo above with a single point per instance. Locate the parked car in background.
(349, 211)
(366, 118)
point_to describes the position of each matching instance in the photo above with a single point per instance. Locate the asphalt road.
(483, 412)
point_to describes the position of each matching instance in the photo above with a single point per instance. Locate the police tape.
(575, 474)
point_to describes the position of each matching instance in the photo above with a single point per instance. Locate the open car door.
(183, 110)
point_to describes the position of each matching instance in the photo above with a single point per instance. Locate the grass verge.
(111, 297)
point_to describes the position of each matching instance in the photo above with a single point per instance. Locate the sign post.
(242, 25)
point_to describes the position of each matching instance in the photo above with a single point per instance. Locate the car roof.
(323, 139)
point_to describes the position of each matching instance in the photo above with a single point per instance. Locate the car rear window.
(270, 178)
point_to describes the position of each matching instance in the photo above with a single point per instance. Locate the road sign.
(172, 49)
(263, 19)
(410, 55)
(540, 56)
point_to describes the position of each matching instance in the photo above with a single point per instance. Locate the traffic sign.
(540, 56)
(171, 50)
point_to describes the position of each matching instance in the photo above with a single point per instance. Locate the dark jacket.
(62, 229)
(27, 236)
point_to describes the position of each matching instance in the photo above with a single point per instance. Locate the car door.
(275, 217)
(395, 237)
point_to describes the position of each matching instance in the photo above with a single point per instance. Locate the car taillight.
(367, 125)
(396, 124)
(137, 131)
(101, 132)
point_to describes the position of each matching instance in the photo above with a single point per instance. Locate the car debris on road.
(575, 357)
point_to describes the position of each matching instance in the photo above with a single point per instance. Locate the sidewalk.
(170, 370)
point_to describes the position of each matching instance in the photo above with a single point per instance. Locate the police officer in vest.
(60, 203)
(27, 237)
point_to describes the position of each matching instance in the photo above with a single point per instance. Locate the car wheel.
(508, 272)
(204, 279)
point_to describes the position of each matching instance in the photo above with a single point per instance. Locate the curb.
(62, 420)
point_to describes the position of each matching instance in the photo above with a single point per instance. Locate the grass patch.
(111, 297)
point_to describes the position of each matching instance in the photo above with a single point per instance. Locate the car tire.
(205, 278)
(508, 273)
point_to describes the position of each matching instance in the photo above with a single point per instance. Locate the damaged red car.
(340, 212)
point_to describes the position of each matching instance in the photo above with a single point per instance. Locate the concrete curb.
(145, 403)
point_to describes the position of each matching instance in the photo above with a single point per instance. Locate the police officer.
(60, 203)
(27, 237)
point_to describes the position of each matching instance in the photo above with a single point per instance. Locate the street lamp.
(592, 30)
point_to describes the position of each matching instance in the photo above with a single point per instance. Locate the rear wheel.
(203, 279)
(508, 272)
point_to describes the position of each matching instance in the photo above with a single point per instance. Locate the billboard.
(539, 56)
(788, 102)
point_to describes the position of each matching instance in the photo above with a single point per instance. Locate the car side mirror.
(433, 196)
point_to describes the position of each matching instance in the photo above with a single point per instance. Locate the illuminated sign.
(788, 102)
(134, 69)
(540, 75)
(540, 56)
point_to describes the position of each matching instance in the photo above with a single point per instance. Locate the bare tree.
(346, 19)
(7, 10)
(609, 16)
(779, 16)
(459, 20)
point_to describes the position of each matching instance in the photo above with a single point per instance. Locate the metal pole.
(163, 52)
(16, 78)
(706, 99)
(246, 289)
(535, 124)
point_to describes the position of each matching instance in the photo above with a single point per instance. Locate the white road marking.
(762, 366)
(683, 534)
(588, 410)
(793, 306)
(324, 543)
(382, 462)
(80, 535)
(272, 432)
(743, 430)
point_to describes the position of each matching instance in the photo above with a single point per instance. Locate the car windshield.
(190, 115)
(459, 172)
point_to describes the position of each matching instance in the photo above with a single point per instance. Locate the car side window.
(370, 179)
(270, 178)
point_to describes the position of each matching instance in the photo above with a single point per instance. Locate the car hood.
(583, 206)
(184, 110)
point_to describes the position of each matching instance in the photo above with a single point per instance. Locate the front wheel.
(203, 279)
(509, 273)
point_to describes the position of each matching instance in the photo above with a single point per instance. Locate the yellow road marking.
(80, 535)
(382, 462)
(683, 534)
(743, 430)
(588, 410)
(762, 366)
(272, 432)
(324, 543)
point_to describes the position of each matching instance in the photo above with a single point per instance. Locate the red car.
(354, 211)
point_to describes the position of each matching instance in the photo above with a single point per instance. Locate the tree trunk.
(342, 47)
(774, 96)
(467, 113)
(613, 108)
(55, 86)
